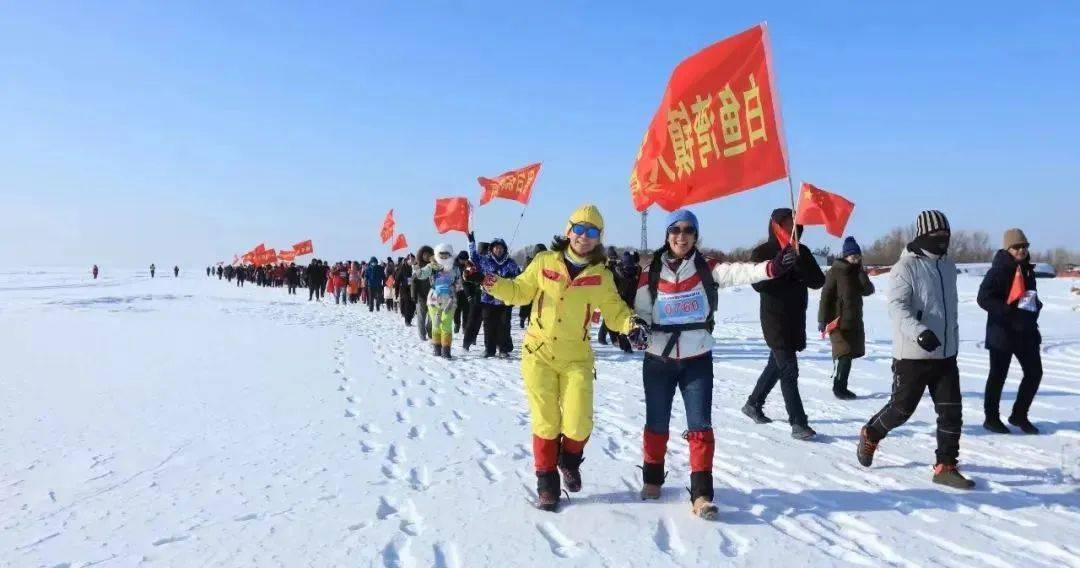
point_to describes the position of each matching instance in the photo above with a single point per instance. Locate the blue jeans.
(783, 367)
(693, 377)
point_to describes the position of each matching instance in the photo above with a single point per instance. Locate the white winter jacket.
(685, 284)
(922, 295)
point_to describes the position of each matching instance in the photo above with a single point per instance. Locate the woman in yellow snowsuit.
(563, 286)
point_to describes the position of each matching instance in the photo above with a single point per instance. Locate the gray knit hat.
(929, 221)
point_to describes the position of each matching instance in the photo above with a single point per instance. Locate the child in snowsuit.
(445, 279)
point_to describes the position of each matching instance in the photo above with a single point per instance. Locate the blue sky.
(144, 132)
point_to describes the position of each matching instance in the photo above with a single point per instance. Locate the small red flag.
(1017, 290)
(452, 214)
(819, 207)
(399, 243)
(303, 247)
(830, 327)
(717, 131)
(515, 184)
(387, 230)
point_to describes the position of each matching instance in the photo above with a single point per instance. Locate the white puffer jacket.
(922, 296)
(685, 283)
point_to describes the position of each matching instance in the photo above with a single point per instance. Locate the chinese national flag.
(387, 230)
(1016, 291)
(286, 255)
(515, 184)
(399, 243)
(452, 214)
(717, 131)
(303, 247)
(819, 207)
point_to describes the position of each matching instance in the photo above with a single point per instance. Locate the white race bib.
(686, 307)
(1029, 301)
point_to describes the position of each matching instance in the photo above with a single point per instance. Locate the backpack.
(711, 293)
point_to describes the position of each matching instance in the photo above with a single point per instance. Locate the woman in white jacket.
(677, 296)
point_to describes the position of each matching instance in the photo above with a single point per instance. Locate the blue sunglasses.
(587, 230)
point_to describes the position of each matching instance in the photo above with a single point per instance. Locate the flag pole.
(518, 226)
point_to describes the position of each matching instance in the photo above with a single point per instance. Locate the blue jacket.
(373, 276)
(504, 267)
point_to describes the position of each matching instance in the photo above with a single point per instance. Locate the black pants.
(841, 370)
(496, 329)
(375, 299)
(408, 307)
(1030, 363)
(240, 282)
(910, 378)
(472, 326)
(292, 288)
(523, 314)
(461, 312)
(783, 367)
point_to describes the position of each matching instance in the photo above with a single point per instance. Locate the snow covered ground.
(186, 422)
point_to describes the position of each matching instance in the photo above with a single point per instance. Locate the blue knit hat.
(682, 215)
(850, 247)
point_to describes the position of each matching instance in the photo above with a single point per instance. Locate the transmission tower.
(644, 232)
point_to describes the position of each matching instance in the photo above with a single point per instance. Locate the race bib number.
(686, 307)
(1029, 301)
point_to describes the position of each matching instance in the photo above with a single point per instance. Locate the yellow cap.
(586, 214)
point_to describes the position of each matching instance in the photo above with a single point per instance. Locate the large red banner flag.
(269, 256)
(452, 214)
(286, 255)
(387, 230)
(303, 247)
(399, 243)
(259, 249)
(515, 184)
(819, 207)
(248, 258)
(717, 131)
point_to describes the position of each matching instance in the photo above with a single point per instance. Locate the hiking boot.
(437, 349)
(844, 394)
(802, 432)
(652, 476)
(503, 355)
(570, 468)
(547, 491)
(994, 425)
(704, 508)
(865, 449)
(1023, 424)
(446, 352)
(755, 414)
(949, 476)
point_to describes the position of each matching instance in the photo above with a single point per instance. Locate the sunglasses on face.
(676, 230)
(587, 230)
(1019, 247)
(444, 255)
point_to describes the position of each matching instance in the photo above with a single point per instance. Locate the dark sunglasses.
(1019, 247)
(587, 230)
(676, 230)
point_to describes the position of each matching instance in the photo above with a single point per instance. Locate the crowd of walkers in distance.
(665, 308)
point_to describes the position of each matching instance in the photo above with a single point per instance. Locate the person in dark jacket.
(472, 329)
(626, 280)
(420, 289)
(840, 314)
(783, 323)
(1012, 305)
(496, 314)
(292, 277)
(403, 281)
(374, 279)
(461, 309)
(604, 333)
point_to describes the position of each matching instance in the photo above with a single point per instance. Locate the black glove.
(639, 334)
(472, 239)
(821, 327)
(928, 341)
(783, 261)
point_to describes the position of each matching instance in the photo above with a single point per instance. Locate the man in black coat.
(783, 323)
(1012, 305)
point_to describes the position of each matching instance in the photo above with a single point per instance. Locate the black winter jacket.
(1008, 327)
(784, 299)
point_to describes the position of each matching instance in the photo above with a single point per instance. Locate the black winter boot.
(547, 490)
(446, 352)
(755, 414)
(993, 424)
(1023, 424)
(436, 349)
(570, 467)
